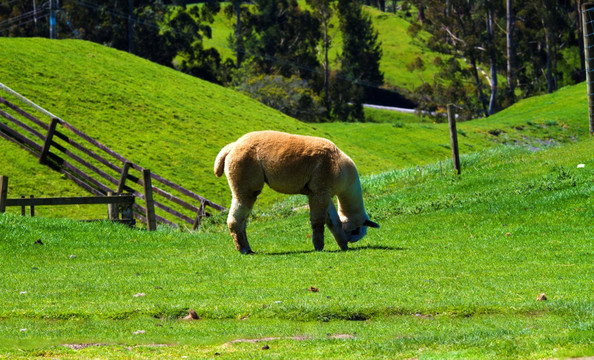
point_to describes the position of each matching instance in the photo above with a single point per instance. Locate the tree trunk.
(479, 86)
(326, 65)
(421, 13)
(549, 49)
(492, 60)
(131, 45)
(580, 37)
(239, 44)
(511, 86)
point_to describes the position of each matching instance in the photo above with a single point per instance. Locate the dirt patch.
(88, 345)
(254, 341)
(341, 336)
(82, 346)
(296, 338)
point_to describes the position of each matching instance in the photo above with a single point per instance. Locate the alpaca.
(294, 164)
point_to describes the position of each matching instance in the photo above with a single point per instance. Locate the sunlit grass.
(454, 271)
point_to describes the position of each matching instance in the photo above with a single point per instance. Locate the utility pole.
(52, 19)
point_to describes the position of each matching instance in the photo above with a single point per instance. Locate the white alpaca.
(294, 164)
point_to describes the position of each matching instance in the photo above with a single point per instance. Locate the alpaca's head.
(355, 232)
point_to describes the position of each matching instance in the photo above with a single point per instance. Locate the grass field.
(454, 272)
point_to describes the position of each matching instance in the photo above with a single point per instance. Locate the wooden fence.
(117, 204)
(68, 150)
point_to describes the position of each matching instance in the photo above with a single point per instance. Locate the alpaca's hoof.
(247, 251)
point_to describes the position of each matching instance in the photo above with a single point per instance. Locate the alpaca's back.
(289, 164)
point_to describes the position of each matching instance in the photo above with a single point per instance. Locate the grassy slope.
(175, 124)
(155, 116)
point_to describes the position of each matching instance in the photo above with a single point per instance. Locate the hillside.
(175, 124)
(153, 115)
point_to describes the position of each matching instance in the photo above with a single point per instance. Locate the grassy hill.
(175, 124)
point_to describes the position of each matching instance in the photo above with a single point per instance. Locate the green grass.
(454, 272)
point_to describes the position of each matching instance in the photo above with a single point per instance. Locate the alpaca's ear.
(371, 224)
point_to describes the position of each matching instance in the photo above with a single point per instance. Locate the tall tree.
(323, 11)
(460, 23)
(361, 50)
(281, 38)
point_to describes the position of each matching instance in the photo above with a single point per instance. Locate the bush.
(291, 96)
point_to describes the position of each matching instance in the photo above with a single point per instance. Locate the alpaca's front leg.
(318, 208)
(335, 227)
(237, 222)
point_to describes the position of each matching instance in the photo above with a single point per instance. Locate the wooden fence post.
(32, 207)
(151, 221)
(112, 210)
(128, 212)
(199, 215)
(3, 192)
(454, 138)
(123, 177)
(23, 208)
(48, 141)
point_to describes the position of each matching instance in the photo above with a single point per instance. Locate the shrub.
(291, 96)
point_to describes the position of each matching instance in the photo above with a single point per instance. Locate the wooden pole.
(199, 215)
(123, 177)
(112, 209)
(128, 212)
(588, 31)
(3, 192)
(32, 207)
(48, 141)
(149, 206)
(454, 138)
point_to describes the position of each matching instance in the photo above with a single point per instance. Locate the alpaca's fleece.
(294, 164)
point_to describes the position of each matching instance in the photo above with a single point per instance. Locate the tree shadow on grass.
(360, 248)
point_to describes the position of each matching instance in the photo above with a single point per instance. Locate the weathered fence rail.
(97, 168)
(117, 204)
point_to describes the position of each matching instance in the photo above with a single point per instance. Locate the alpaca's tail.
(219, 164)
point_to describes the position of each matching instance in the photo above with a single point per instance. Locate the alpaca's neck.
(350, 202)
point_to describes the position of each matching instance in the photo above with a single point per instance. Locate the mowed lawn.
(454, 272)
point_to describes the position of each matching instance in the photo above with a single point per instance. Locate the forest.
(494, 52)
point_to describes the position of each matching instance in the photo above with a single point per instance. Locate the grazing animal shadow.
(360, 248)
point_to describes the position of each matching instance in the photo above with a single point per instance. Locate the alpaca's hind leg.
(237, 222)
(318, 210)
